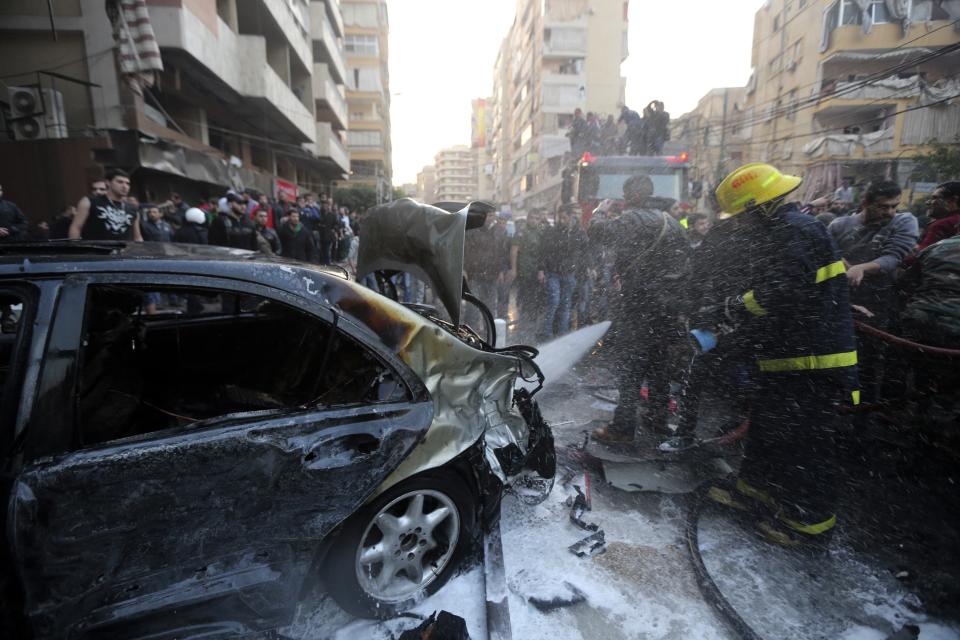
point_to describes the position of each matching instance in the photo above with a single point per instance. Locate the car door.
(165, 524)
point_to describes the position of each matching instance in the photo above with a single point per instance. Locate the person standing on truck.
(650, 264)
(791, 300)
(632, 140)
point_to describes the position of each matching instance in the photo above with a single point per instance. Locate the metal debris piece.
(574, 596)
(590, 546)
(577, 510)
(907, 632)
(439, 626)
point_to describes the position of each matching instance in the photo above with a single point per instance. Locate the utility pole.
(723, 136)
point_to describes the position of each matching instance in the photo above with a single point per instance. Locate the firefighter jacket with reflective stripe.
(796, 296)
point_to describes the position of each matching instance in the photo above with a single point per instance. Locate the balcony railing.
(327, 47)
(329, 146)
(329, 95)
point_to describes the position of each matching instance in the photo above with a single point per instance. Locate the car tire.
(417, 532)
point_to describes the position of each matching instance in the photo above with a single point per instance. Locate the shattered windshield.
(642, 319)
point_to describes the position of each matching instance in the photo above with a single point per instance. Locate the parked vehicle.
(194, 471)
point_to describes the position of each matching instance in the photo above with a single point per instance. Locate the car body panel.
(239, 504)
(423, 240)
(249, 499)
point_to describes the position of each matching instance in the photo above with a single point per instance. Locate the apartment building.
(238, 102)
(479, 145)
(455, 174)
(366, 27)
(712, 138)
(427, 185)
(557, 56)
(845, 88)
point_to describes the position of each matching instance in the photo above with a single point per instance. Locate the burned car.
(194, 467)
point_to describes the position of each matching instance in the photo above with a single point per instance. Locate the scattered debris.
(579, 507)
(605, 408)
(907, 632)
(439, 626)
(663, 476)
(572, 597)
(589, 546)
(606, 395)
(903, 575)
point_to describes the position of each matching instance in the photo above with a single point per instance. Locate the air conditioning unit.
(36, 114)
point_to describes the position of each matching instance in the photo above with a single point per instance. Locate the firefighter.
(650, 260)
(791, 303)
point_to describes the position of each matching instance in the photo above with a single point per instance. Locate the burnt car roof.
(329, 286)
(69, 256)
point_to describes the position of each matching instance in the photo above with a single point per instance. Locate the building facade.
(239, 101)
(851, 89)
(455, 174)
(557, 56)
(366, 28)
(480, 119)
(711, 137)
(427, 185)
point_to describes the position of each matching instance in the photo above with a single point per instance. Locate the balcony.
(329, 146)
(226, 62)
(562, 93)
(327, 46)
(886, 36)
(331, 104)
(553, 145)
(292, 19)
(560, 40)
(332, 7)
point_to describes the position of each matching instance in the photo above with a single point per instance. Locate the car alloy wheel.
(407, 544)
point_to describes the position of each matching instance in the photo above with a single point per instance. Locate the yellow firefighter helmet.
(753, 185)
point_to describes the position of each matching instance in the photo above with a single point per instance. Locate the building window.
(365, 79)
(776, 23)
(792, 105)
(360, 15)
(850, 13)
(362, 45)
(357, 139)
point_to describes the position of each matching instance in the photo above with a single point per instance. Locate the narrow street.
(643, 585)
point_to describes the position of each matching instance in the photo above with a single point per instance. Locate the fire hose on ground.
(708, 588)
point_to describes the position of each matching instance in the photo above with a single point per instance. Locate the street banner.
(284, 190)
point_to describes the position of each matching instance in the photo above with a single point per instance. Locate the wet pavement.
(643, 585)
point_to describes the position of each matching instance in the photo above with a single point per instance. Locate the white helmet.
(195, 215)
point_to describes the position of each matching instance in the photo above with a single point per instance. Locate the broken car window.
(155, 358)
(11, 313)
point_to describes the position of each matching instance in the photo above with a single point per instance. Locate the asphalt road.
(643, 586)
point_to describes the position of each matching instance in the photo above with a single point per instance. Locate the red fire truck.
(597, 178)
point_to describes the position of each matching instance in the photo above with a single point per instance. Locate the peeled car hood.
(423, 240)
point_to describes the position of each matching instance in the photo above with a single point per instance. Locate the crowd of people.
(310, 228)
(630, 134)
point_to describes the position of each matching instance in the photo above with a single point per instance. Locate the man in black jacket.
(561, 260)
(232, 228)
(193, 230)
(13, 225)
(329, 229)
(267, 239)
(155, 228)
(296, 241)
(650, 265)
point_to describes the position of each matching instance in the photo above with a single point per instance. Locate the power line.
(814, 101)
(30, 72)
(868, 80)
(916, 107)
